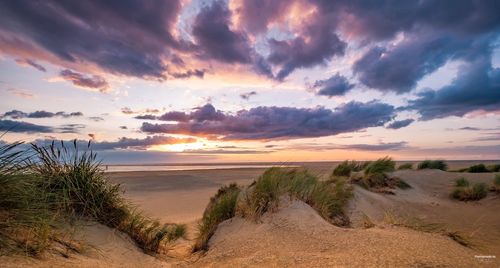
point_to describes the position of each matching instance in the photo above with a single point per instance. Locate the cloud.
(400, 123)
(146, 117)
(32, 63)
(139, 144)
(337, 85)
(96, 118)
(21, 93)
(247, 95)
(189, 73)
(70, 128)
(475, 88)
(93, 82)
(256, 15)
(16, 114)
(123, 127)
(20, 126)
(127, 110)
(104, 34)
(390, 146)
(123, 143)
(264, 123)
(490, 137)
(212, 33)
(223, 151)
(316, 44)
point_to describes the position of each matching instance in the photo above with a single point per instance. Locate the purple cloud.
(337, 85)
(263, 123)
(81, 80)
(400, 123)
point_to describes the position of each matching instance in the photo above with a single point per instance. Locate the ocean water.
(122, 168)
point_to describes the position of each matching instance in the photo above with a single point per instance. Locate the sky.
(254, 80)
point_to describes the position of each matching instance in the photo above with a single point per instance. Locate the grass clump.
(433, 164)
(56, 186)
(494, 168)
(381, 165)
(376, 177)
(405, 166)
(25, 219)
(479, 168)
(461, 182)
(220, 208)
(326, 197)
(475, 192)
(496, 184)
(345, 168)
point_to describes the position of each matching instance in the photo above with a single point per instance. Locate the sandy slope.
(297, 236)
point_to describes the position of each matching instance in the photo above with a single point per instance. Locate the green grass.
(381, 165)
(461, 182)
(326, 197)
(433, 164)
(25, 219)
(345, 168)
(59, 185)
(475, 192)
(220, 208)
(376, 177)
(479, 168)
(494, 168)
(496, 184)
(405, 166)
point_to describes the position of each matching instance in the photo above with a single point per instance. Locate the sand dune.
(296, 235)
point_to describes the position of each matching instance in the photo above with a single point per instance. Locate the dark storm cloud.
(102, 33)
(476, 88)
(256, 15)
(337, 85)
(86, 81)
(247, 95)
(263, 123)
(31, 63)
(16, 114)
(317, 44)
(400, 123)
(20, 126)
(212, 33)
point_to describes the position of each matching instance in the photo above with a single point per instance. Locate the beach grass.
(461, 182)
(496, 183)
(328, 198)
(59, 185)
(474, 192)
(345, 168)
(433, 164)
(405, 166)
(376, 176)
(220, 208)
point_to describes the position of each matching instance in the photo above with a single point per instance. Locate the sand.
(296, 235)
